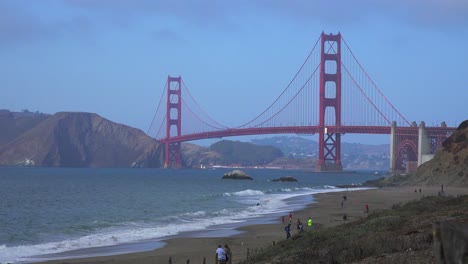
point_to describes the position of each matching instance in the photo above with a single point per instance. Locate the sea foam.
(258, 203)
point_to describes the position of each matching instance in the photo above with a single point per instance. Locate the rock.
(237, 175)
(26, 163)
(286, 179)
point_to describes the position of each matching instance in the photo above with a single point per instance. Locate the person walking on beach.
(309, 223)
(227, 250)
(288, 231)
(290, 217)
(300, 227)
(220, 255)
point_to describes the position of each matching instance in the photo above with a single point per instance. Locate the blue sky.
(112, 57)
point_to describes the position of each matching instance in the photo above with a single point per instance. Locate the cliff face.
(13, 124)
(449, 165)
(82, 140)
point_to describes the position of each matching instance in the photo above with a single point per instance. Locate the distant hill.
(77, 140)
(294, 147)
(300, 153)
(244, 153)
(228, 153)
(353, 155)
(193, 156)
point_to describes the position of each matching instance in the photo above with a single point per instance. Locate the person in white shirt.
(221, 255)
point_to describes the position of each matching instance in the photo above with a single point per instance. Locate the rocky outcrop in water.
(237, 175)
(286, 179)
(81, 140)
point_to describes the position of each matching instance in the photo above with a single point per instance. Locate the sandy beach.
(325, 212)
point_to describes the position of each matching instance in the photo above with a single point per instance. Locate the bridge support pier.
(392, 148)
(330, 103)
(403, 149)
(412, 146)
(424, 150)
(173, 121)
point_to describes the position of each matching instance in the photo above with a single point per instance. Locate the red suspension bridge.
(330, 95)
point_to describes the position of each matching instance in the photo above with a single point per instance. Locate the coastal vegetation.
(401, 234)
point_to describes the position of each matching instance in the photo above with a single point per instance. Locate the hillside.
(229, 153)
(81, 140)
(449, 165)
(245, 154)
(403, 234)
(13, 124)
(193, 156)
(353, 155)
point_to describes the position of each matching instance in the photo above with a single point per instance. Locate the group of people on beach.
(223, 255)
(299, 226)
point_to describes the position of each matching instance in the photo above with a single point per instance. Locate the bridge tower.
(173, 122)
(330, 103)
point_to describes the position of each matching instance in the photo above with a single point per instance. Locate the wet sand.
(325, 212)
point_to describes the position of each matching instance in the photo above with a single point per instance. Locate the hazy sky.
(112, 57)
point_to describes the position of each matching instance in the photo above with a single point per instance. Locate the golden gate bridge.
(330, 95)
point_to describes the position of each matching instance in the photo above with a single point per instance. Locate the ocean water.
(50, 213)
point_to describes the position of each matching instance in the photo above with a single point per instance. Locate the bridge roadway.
(412, 130)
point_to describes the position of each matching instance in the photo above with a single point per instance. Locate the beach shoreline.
(325, 211)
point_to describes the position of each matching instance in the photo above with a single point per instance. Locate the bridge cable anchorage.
(287, 87)
(375, 85)
(157, 109)
(201, 109)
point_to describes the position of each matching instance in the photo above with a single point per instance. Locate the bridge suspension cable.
(198, 117)
(157, 111)
(374, 85)
(203, 111)
(270, 107)
(289, 102)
